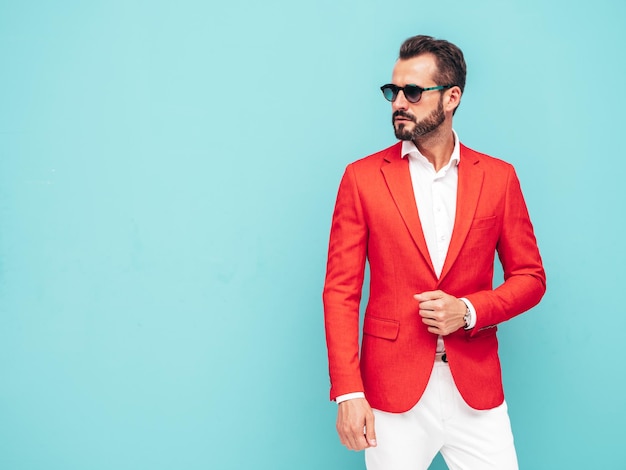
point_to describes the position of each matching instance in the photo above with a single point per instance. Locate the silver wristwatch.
(468, 316)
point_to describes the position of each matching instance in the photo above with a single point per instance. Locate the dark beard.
(425, 126)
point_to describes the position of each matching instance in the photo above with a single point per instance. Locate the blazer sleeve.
(524, 275)
(343, 287)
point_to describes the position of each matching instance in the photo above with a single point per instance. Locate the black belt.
(441, 357)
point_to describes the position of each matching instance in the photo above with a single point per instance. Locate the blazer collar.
(470, 183)
(398, 179)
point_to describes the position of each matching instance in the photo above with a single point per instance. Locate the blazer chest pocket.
(381, 327)
(481, 223)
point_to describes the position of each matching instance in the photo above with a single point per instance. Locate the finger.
(343, 430)
(361, 442)
(427, 305)
(356, 441)
(432, 324)
(347, 441)
(370, 431)
(428, 295)
(425, 314)
(430, 305)
(434, 315)
(352, 436)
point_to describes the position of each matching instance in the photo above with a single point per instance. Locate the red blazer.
(376, 218)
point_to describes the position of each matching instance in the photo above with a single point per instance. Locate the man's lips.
(402, 118)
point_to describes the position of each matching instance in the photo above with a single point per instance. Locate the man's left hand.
(441, 312)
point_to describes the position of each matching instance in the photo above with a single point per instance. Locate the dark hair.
(451, 69)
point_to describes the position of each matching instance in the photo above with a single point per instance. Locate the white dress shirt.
(435, 196)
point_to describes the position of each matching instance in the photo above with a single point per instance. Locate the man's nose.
(400, 102)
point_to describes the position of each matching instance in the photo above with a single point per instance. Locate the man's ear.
(452, 99)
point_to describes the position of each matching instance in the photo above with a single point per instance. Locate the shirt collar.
(410, 149)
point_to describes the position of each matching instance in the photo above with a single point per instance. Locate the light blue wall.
(167, 176)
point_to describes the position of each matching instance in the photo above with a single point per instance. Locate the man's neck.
(437, 147)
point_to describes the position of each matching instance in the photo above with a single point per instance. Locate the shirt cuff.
(349, 396)
(472, 310)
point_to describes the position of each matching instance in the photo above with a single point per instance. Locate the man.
(429, 215)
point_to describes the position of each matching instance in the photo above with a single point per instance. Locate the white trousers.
(468, 439)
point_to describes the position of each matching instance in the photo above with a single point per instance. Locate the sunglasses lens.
(389, 92)
(412, 93)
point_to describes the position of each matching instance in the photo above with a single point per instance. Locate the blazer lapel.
(398, 179)
(470, 183)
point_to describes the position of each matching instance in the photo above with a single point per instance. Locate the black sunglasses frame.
(410, 91)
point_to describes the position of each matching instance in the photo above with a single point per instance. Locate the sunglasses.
(412, 93)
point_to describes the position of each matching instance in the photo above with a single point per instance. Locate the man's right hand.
(355, 424)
